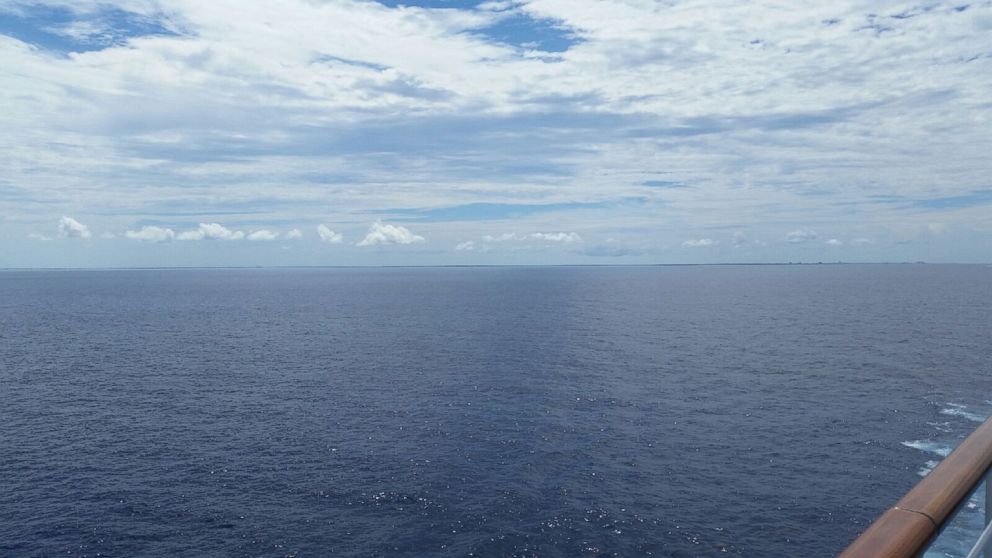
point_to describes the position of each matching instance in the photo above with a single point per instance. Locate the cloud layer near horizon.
(638, 131)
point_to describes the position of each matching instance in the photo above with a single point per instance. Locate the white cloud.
(36, 236)
(263, 235)
(71, 228)
(382, 233)
(466, 246)
(151, 234)
(448, 114)
(699, 243)
(496, 5)
(294, 234)
(210, 231)
(834, 242)
(562, 237)
(329, 236)
(505, 237)
(565, 237)
(800, 236)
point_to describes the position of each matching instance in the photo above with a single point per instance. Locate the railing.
(906, 530)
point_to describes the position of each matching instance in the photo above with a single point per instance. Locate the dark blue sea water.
(524, 412)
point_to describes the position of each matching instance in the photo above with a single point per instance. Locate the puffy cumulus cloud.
(294, 234)
(329, 236)
(699, 243)
(467, 246)
(382, 233)
(800, 236)
(262, 235)
(210, 231)
(564, 237)
(151, 234)
(834, 242)
(71, 228)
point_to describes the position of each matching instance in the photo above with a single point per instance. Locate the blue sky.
(153, 133)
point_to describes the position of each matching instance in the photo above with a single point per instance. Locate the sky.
(339, 132)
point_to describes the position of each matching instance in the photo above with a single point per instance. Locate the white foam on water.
(940, 426)
(927, 467)
(959, 411)
(942, 450)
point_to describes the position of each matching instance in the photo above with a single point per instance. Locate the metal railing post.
(988, 508)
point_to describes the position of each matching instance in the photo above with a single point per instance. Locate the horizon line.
(411, 266)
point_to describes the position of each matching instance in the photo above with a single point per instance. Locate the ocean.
(493, 412)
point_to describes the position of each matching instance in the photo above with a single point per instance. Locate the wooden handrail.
(904, 530)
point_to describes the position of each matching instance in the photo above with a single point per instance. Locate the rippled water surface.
(663, 411)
